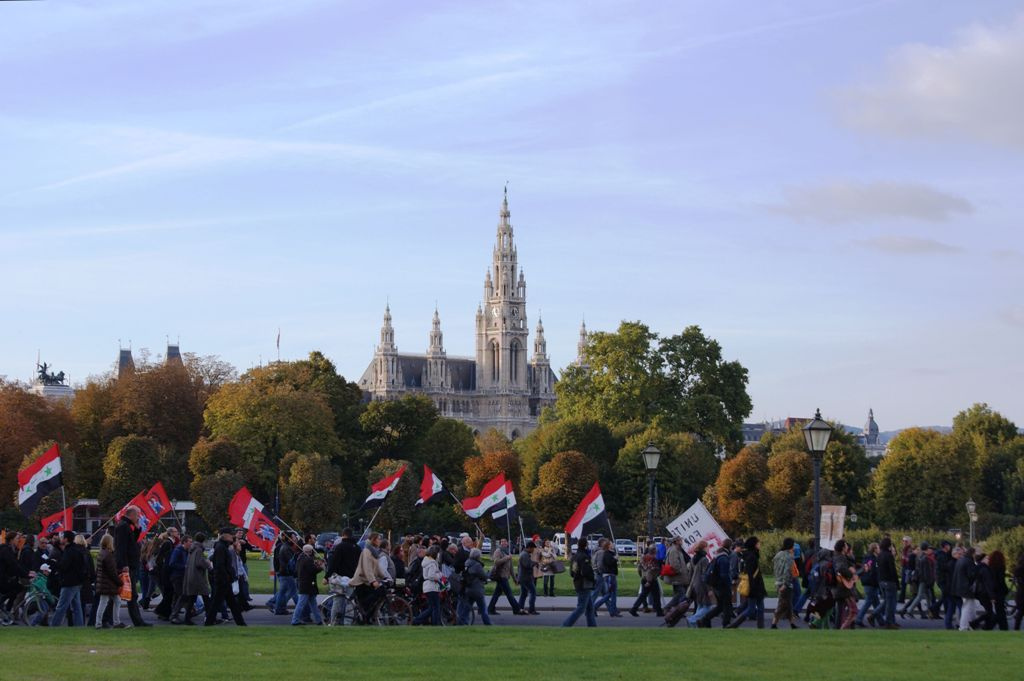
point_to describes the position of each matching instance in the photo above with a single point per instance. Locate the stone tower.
(387, 368)
(871, 429)
(435, 371)
(501, 331)
(543, 384)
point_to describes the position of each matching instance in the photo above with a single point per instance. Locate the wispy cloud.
(850, 201)
(973, 89)
(908, 245)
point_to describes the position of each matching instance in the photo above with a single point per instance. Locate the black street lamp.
(817, 433)
(972, 515)
(652, 455)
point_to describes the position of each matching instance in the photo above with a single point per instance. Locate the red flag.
(380, 490)
(157, 501)
(490, 496)
(262, 532)
(58, 522)
(242, 507)
(588, 514)
(431, 487)
(146, 517)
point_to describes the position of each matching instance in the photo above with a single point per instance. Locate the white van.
(561, 544)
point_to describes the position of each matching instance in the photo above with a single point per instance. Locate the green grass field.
(275, 653)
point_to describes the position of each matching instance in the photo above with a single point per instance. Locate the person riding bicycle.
(37, 589)
(11, 572)
(369, 579)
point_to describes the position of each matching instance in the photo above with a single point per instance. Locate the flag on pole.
(491, 495)
(431, 487)
(242, 507)
(509, 505)
(380, 490)
(146, 517)
(157, 501)
(56, 523)
(262, 531)
(589, 513)
(38, 479)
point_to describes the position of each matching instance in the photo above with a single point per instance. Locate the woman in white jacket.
(431, 588)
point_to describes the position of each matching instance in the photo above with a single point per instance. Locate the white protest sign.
(833, 518)
(696, 523)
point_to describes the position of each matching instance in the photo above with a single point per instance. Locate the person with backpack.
(286, 557)
(751, 583)
(473, 580)
(784, 570)
(583, 581)
(869, 579)
(718, 577)
(648, 569)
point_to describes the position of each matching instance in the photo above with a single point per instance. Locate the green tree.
(395, 428)
(212, 494)
(680, 381)
(593, 439)
(988, 427)
(319, 375)
(312, 493)
(266, 421)
(686, 468)
(790, 476)
(160, 403)
(562, 483)
(93, 414)
(445, 447)
(132, 464)
(917, 483)
(209, 456)
(396, 513)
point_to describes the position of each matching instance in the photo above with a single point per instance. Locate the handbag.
(126, 587)
(234, 587)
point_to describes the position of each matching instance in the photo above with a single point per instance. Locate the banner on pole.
(833, 520)
(696, 523)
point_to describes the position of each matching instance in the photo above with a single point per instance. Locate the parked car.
(592, 540)
(625, 547)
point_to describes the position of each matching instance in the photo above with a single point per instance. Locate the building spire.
(387, 332)
(436, 337)
(581, 346)
(540, 345)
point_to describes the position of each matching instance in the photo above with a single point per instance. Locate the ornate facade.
(498, 388)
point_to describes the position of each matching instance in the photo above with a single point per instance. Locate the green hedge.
(1010, 542)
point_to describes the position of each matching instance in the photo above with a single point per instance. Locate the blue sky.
(831, 189)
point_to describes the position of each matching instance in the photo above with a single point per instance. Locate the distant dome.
(871, 429)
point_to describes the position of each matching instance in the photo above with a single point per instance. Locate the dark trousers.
(646, 589)
(502, 586)
(133, 605)
(167, 593)
(432, 611)
(528, 590)
(723, 607)
(223, 595)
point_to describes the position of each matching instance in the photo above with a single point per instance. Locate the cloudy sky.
(831, 189)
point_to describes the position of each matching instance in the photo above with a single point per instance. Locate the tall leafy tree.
(312, 493)
(591, 438)
(562, 483)
(132, 465)
(396, 513)
(395, 428)
(740, 501)
(212, 493)
(445, 447)
(26, 420)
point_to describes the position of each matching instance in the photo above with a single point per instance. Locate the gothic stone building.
(500, 388)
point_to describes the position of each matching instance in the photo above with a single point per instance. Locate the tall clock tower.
(501, 329)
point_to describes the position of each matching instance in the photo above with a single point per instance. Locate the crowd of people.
(962, 586)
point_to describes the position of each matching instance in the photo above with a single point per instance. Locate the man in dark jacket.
(964, 573)
(610, 573)
(163, 574)
(306, 570)
(527, 584)
(126, 551)
(583, 580)
(888, 581)
(285, 558)
(223, 576)
(722, 584)
(73, 572)
(343, 561)
(944, 580)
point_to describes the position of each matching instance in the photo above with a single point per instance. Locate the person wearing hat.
(38, 587)
(224, 576)
(307, 567)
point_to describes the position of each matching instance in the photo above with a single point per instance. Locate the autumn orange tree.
(740, 501)
(562, 483)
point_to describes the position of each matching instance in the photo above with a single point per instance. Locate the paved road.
(553, 612)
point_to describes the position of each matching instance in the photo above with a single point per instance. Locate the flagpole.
(610, 530)
(479, 531)
(370, 524)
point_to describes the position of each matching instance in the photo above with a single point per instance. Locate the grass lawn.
(260, 581)
(276, 653)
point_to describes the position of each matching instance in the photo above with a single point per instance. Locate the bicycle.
(393, 610)
(34, 610)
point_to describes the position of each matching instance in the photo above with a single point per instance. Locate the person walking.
(1018, 597)
(907, 560)
(944, 579)
(169, 541)
(307, 567)
(984, 592)
(431, 588)
(700, 593)
(784, 570)
(751, 569)
(888, 581)
(679, 572)
(647, 567)
(597, 563)
(721, 582)
(610, 573)
(108, 585)
(869, 579)
(527, 583)
(285, 557)
(846, 584)
(343, 560)
(924, 574)
(195, 582)
(224, 576)
(73, 572)
(997, 566)
(474, 578)
(501, 573)
(547, 567)
(964, 574)
(176, 566)
(583, 581)
(126, 552)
